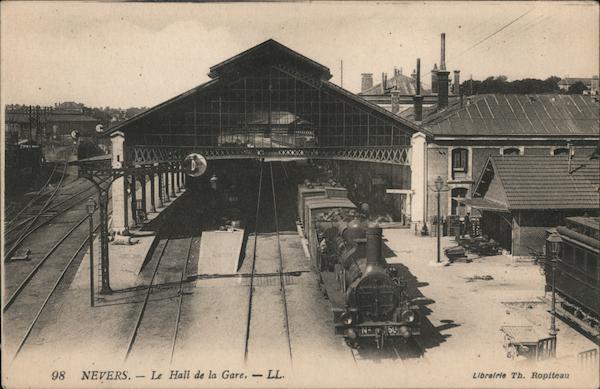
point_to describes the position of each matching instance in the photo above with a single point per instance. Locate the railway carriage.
(577, 275)
(308, 190)
(368, 298)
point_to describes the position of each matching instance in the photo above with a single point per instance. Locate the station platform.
(125, 260)
(220, 252)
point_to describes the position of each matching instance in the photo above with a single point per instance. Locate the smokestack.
(374, 251)
(434, 79)
(457, 82)
(418, 99)
(383, 82)
(442, 78)
(443, 52)
(395, 100)
(366, 81)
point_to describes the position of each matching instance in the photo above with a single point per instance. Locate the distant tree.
(500, 84)
(576, 88)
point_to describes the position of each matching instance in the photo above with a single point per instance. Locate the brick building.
(45, 123)
(470, 130)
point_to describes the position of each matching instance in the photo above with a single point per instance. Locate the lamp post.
(91, 207)
(554, 244)
(439, 184)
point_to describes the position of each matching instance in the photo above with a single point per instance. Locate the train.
(577, 272)
(368, 297)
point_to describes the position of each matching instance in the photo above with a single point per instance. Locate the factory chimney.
(418, 99)
(442, 78)
(457, 82)
(366, 81)
(383, 83)
(434, 79)
(374, 251)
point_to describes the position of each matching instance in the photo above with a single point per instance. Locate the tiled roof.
(406, 85)
(514, 115)
(544, 182)
(573, 80)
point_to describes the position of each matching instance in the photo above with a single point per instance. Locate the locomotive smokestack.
(374, 240)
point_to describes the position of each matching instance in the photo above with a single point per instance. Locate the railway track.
(163, 298)
(40, 196)
(37, 197)
(16, 234)
(280, 273)
(26, 303)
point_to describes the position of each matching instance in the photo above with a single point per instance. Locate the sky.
(138, 54)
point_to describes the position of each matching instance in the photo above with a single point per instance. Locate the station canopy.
(268, 96)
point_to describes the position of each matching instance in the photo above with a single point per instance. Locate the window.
(511, 151)
(560, 151)
(579, 259)
(567, 255)
(460, 160)
(591, 264)
(458, 207)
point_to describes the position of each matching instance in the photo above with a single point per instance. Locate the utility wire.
(496, 32)
(488, 37)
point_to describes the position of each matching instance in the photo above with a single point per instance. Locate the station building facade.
(469, 131)
(272, 100)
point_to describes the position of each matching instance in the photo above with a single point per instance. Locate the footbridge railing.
(148, 154)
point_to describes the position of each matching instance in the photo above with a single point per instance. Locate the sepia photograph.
(324, 194)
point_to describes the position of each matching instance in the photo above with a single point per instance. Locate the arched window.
(458, 208)
(460, 160)
(560, 151)
(511, 151)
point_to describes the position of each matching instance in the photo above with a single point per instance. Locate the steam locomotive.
(369, 300)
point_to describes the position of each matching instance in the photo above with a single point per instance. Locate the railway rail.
(158, 301)
(16, 235)
(28, 331)
(52, 255)
(39, 197)
(280, 269)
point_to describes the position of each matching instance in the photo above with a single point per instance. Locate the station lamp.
(90, 206)
(439, 183)
(554, 244)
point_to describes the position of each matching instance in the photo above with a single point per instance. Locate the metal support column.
(144, 194)
(160, 190)
(152, 192)
(133, 200)
(103, 203)
(125, 206)
(173, 182)
(166, 188)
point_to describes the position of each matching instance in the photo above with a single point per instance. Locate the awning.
(485, 205)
